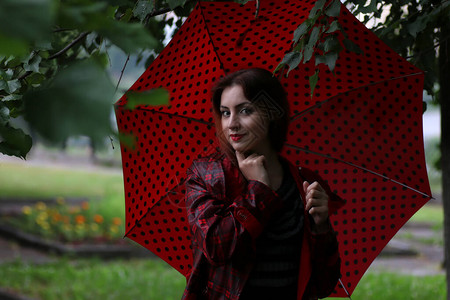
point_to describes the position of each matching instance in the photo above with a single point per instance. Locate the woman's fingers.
(252, 167)
(316, 201)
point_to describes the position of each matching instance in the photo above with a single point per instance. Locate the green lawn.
(20, 180)
(94, 279)
(155, 280)
(430, 214)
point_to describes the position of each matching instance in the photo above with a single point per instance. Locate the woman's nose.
(233, 122)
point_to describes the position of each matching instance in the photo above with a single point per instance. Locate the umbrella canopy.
(361, 131)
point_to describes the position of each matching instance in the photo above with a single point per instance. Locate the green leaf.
(7, 74)
(12, 97)
(35, 79)
(329, 59)
(175, 3)
(33, 64)
(334, 26)
(372, 7)
(42, 46)
(101, 58)
(12, 46)
(26, 20)
(10, 86)
(78, 101)
(313, 82)
(418, 25)
(292, 59)
(153, 97)
(15, 106)
(4, 114)
(143, 8)
(351, 46)
(12, 62)
(131, 38)
(318, 6)
(127, 15)
(331, 43)
(334, 10)
(314, 37)
(307, 53)
(86, 16)
(301, 30)
(14, 141)
(127, 140)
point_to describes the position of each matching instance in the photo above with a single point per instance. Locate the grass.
(381, 286)
(19, 180)
(155, 280)
(434, 239)
(94, 279)
(430, 214)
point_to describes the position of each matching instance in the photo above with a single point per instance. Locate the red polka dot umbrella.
(362, 130)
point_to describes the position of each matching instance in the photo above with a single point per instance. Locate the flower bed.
(67, 223)
(69, 228)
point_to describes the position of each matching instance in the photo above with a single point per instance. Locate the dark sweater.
(277, 251)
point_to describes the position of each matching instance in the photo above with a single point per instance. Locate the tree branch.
(70, 45)
(123, 70)
(162, 11)
(429, 49)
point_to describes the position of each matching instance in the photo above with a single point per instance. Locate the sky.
(431, 123)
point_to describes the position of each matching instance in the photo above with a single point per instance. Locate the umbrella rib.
(176, 115)
(209, 35)
(358, 167)
(343, 286)
(298, 115)
(161, 199)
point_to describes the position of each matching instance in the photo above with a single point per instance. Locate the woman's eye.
(246, 111)
(225, 113)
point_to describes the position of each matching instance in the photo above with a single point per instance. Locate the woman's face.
(244, 126)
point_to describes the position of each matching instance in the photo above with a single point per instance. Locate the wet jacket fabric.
(227, 213)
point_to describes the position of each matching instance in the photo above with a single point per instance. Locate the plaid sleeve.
(220, 227)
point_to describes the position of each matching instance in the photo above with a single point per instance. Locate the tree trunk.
(444, 98)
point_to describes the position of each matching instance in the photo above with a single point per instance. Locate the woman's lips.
(236, 137)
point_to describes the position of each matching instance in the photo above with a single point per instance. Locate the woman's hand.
(252, 167)
(317, 205)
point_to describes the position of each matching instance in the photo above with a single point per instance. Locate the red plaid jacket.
(226, 214)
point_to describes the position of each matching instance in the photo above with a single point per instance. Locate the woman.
(260, 225)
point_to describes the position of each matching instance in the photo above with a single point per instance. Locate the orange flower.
(117, 221)
(57, 217)
(85, 205)
(80, 219)
(98, 219)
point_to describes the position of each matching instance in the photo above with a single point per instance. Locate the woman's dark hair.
(266, 92)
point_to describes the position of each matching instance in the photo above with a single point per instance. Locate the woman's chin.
(239, 147)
